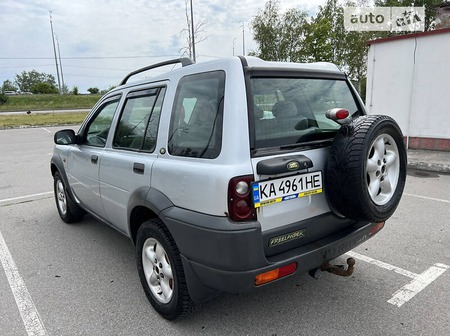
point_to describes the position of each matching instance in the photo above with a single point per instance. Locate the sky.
(100, 41)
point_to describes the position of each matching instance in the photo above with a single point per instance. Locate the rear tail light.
(275, 274)
(240, 203)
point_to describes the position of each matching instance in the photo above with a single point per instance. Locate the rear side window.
(292, 110)
(196, 122)
(139, 120)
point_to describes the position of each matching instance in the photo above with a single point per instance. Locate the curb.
(433, 161)
(429, 166)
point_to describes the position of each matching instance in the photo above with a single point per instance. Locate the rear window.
(292, 110)
(196, 122)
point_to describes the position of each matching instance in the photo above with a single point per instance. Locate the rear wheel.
(161, 271)
(68, 210)
(366, 169)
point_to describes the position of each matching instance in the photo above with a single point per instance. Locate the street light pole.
(54, 50)
(193, 33)
(60, 63)
(243, 38)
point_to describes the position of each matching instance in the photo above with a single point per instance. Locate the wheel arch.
(144, 206)
(57, 165)
(138, 216)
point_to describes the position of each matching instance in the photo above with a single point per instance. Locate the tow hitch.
(334, 269)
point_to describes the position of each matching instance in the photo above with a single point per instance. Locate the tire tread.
(345, 179)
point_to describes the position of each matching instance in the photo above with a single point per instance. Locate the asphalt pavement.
(81, 279)
(43, 111)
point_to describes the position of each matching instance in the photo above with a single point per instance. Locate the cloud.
(93, 35)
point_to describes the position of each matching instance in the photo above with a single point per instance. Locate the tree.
(354, 58)
(27, 79)
(333, 14)
(348, 49)
(293, 32)
(265, 31)
(293, 37)
(43, 87)
(279, 36)
(8, 86)
(75, 90)
(3, 98)
(93, 90)
(108, 89)
(318, 42)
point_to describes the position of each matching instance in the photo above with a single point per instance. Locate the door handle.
(94, 159)
(138, 168)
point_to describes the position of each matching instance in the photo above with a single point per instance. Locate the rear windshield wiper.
(317, 134)
(314, 137)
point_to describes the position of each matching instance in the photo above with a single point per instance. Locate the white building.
(408, 78)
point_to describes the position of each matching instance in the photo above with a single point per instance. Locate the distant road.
(44, 111)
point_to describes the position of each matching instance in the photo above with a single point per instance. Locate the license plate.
(286, 188)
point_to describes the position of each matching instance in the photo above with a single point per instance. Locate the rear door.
(126, 165)
(290, 145)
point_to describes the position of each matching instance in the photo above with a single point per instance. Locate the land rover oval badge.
(293, 165)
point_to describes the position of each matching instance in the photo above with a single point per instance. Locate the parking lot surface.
(81, 279)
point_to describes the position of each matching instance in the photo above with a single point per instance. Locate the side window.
(138, 124)
(153, 123)
(98, 128)
(196, 121)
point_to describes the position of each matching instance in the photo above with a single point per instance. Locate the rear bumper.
(221, 256)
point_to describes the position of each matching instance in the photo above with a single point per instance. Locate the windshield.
(291, 111)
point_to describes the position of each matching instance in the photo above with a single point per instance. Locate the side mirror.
(65, 137)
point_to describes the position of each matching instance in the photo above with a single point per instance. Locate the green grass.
(48, 102)
(41, 119)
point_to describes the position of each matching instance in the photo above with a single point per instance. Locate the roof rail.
(184, 62)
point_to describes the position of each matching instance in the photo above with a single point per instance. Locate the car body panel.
(82, 175)
(119, 179)
(286, 212)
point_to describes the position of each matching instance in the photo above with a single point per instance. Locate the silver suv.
(231, 174)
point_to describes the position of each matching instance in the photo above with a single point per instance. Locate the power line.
(93, 76)
(86, 57)
(26, 66)
(95, 68)
(65, 66)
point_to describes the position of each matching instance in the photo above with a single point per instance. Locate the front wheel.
(68, 210)
(161, 271)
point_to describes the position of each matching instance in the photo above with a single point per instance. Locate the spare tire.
(366, 169)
